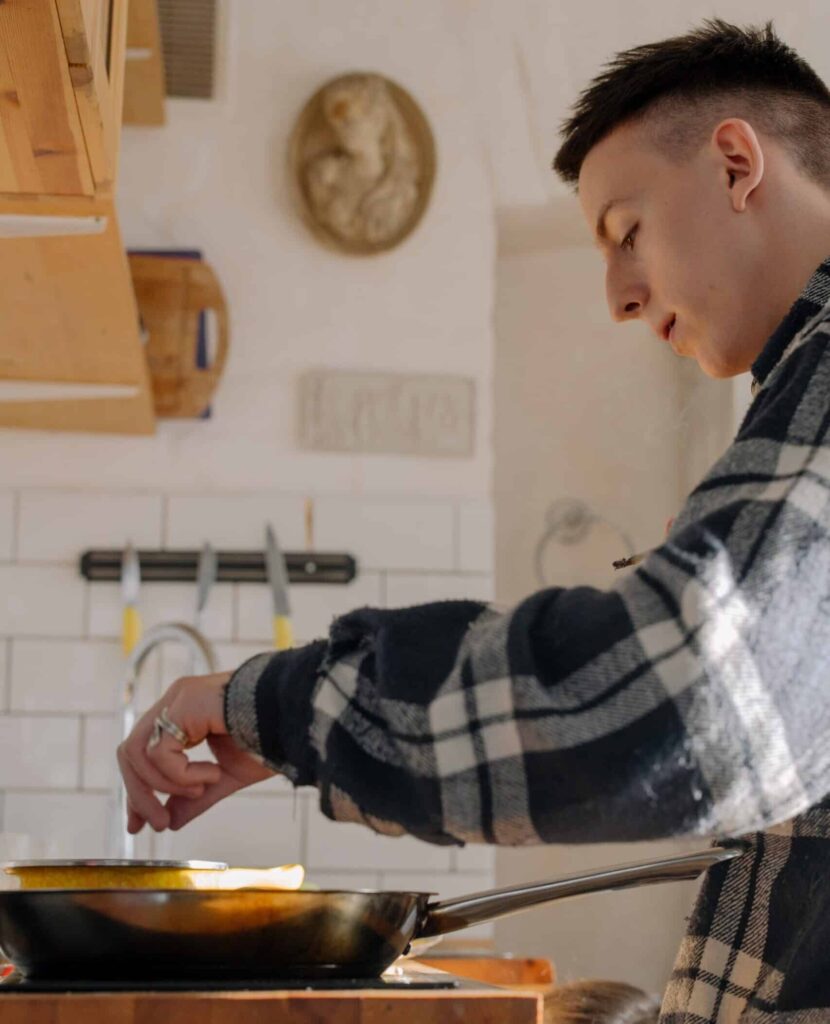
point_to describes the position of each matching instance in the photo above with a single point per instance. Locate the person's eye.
(628, 241)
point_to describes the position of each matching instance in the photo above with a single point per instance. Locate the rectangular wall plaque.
(396, 414)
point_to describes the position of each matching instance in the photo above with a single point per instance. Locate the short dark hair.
(600, 1002)
(717, 70)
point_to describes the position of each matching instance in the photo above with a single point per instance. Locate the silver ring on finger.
(164, 723)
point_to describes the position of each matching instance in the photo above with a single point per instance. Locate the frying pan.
(256, 933)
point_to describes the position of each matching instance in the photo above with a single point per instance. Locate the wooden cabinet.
(67, 310)
(95, 34)
(42, 147)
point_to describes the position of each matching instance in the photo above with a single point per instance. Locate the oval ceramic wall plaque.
(362, 160)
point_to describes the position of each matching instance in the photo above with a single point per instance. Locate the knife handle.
(283, 633)
(130, 629)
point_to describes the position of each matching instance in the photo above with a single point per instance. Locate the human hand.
(154, 761)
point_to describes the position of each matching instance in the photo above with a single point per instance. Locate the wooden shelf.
(68, 308)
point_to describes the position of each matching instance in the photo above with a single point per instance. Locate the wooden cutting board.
(173, 293)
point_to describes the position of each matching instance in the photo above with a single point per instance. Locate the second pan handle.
(463, 911)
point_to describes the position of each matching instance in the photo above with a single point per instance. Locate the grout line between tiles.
(16, 500)
(52, 791)
(38, 713)
(7, 704)
(165, 520)
(81, 744)
(86, 623)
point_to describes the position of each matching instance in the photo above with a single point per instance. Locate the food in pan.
(148, 875)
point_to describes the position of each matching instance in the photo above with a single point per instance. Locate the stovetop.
(395, 979)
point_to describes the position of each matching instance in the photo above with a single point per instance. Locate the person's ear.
(740, 159)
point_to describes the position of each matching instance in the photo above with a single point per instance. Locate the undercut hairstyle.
(681, 88)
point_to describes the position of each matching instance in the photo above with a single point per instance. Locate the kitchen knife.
(278, 581)
(130, 586)
(205, 578)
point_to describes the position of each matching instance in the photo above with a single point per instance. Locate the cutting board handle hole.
(208, 339)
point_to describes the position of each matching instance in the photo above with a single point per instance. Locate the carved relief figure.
(365, 173)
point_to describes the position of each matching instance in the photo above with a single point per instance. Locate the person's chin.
(715, 368)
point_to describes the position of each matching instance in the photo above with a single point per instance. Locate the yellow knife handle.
(283, 633)
(130, 629)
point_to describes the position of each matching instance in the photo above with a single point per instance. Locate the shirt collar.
(815, 296)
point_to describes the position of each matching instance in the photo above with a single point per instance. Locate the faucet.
(202, 661)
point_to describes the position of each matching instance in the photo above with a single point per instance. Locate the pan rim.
(193, 893)
(139, 865)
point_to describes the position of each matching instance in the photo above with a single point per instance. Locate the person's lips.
(668, 328)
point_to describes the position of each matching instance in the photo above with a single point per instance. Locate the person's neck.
(801, 242)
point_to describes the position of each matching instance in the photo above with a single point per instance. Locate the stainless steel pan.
(255, 933)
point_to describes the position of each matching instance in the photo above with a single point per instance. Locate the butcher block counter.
(466, 1001)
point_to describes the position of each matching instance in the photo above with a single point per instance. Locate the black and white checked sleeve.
(691, 698)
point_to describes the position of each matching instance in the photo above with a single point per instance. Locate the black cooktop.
(392, 980)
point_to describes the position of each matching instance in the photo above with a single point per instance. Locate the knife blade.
(278, 582)
(205, 578)
(130, 587)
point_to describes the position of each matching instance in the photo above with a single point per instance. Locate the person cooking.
(690, 698)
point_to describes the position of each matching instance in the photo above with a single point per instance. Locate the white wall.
(214, 178)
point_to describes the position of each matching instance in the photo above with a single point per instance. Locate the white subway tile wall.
(403, 589)
(389, 535)
(61, 667)
(234, 522)
(65, 675)
(5, 684)
(331, 844)
(313, 606)
(41, 600)
(162, 602)
(6, 525)
(476, 537)
(56, 526)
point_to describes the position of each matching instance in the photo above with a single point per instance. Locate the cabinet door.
(70, 316)
(42, 146)
(95, 35)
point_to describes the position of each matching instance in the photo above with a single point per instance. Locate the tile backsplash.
(61, 664)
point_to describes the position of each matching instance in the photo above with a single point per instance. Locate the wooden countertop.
(474, 1003)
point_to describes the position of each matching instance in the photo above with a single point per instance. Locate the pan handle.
(463, 911)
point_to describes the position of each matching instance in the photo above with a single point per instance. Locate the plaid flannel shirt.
(691, 698)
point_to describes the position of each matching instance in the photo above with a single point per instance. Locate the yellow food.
(287, 876)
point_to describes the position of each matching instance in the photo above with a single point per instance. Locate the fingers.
(181, 810)
(151, 763)
(161, 769)
(143, 804)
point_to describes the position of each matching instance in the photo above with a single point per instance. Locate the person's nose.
(627, 294)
